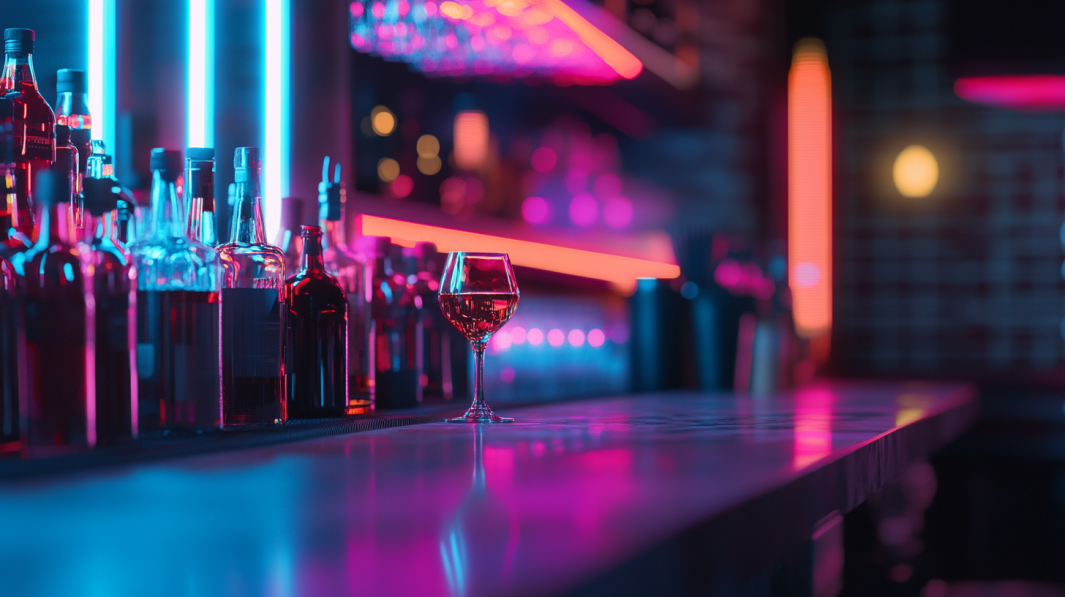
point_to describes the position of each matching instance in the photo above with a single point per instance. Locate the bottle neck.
(312, 254)
(18, 72)
(201, 223)
(248, 226)
(168, 214)
(57, 226)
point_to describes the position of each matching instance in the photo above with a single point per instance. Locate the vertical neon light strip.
(201, 73)
(810, 188)
(102, 70)
(276, 125)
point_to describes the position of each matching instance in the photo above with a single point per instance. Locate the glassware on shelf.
(113, 280)
(60, 404)
(434, 332)
(289, 238)
(72, 110)
(349, 267)
(316, 346)
(178, 280)
(253, 325)
(199, 195)
(478, 295)
(67, 162)
(394, 327)
(33, 119)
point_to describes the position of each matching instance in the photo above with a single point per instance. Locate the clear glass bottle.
(72, 110)
(114, 289)
(316, 368)
(349, 267)
(396, 375)
(178, 280)
(199, 194)
(289, 238)
(59, 412)
(253, 326)
(33, 118)
(67, 161)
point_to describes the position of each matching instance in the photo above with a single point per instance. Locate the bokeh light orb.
(535, 337)
(583, 210)
(387, 169)
(916, 172)
(576, 338)
(402, 186)
(383, 121)
(596, 338)
(544, 159)
(535, 210)
(617, 212)
(556, 337)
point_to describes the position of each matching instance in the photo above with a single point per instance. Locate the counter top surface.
(537, 507)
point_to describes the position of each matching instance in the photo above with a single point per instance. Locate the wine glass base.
(480, 415)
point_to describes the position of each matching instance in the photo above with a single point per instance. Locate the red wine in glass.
(478, 295)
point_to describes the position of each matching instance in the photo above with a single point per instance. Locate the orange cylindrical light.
(471, 139)
(810, 188)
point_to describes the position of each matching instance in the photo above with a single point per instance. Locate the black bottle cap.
(200, 153)
(62, 135)
(69, 80)
(52, 187)
(168, 161)
(19, 41)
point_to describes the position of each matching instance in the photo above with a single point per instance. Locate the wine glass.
(478, 294)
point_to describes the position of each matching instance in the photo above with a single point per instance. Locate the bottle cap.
(374, 247)
(166, 161)
(62, 135)
(69, 80)
(51, 187)
(246, 157)
(308, 231)
(200, 153)
(19, 41)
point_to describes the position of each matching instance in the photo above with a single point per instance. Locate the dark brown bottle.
(33, 118)
(317, 367)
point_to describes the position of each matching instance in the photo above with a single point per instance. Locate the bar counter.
(673, 493)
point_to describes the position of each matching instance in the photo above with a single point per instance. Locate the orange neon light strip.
(617, 269)
(810, 188)
(613, 53)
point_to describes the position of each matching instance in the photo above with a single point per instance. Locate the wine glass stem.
(478, 377)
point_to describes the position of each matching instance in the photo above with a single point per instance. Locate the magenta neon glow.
(535, 210)
(512, 39)
(583, 210)
(576, 338)
(596, 338)
(1032, 92)
(556, 337)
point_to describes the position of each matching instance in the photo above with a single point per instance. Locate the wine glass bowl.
(478, 295)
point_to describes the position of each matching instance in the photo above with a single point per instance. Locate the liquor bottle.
(253, 327)
(10, 311)
(11, 240)
(33, 119)
(349, 267)
(396, 376)
(289, 238)
(114, 291)
(72, 110)
(434, 332)
(316, 345)
(199, 191)
(177, 314)
(100, 167)
(67, 163)
(59, 411)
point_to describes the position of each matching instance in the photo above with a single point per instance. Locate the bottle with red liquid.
(32, 117)
(177, 301)
(114, 289)
(316, 347)
(59, 412)
(349, 267)
(11, 241)
(253, 309)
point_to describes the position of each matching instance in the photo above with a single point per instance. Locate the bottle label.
(35, 141)
(75, 121)
(251, 332)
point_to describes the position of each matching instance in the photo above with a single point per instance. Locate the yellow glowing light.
(383, 121)
(511, 8)
(429, 166)
(388, 169)
(534, 16)
(916, 172)
(451, 9)
(428, 146)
